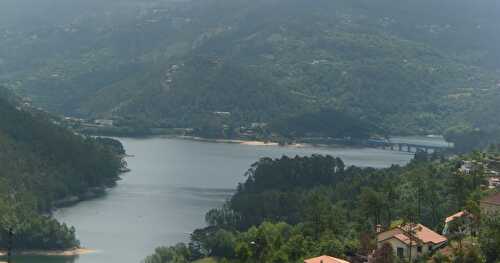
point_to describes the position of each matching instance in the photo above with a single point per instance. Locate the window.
(430, 247)
(401, 252)
(419, 249)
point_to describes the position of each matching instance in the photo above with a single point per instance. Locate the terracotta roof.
(325, 259)
(422, 234)
(492, 199)
(455, 216)
(428, 236)
(403, 238)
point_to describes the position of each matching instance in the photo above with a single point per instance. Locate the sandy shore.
(242, 142)
(258, 143)
(62, 253)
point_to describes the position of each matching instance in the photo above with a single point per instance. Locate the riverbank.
(235, 141)
(405, 144)
(91, 193)
(57, 253)
(245, 142)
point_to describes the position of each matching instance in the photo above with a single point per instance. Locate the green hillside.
(409, 66)
(40, 165)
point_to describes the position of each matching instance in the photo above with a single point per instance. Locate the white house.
(411, 239)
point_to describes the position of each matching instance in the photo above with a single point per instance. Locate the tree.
(458, 231)
(13, 218)
(474, 209)
(473, 255)
(372, 202)
(384, 254)
(489, 238)
(440, 258)
(175, 254)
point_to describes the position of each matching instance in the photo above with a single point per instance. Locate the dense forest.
(41, 164)
(329, 123)
(411, 67)
(289, 209)
(466, 139)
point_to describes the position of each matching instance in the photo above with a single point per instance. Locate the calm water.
(171, 186)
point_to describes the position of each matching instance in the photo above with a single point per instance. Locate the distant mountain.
(408, 66)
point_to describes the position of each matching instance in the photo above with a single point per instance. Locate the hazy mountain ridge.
(262, 60)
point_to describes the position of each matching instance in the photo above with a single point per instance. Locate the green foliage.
(112, 144)
(490, 238)
(467, 140)
(440, 258)
(384, 254)
(41, 164)
(292, 208)
(328, 123)
(175, 254)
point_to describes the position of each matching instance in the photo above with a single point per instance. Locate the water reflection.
(42, 259)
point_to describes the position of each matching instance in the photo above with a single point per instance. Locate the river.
(172, 184)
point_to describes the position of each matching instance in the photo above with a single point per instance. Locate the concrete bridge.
(404, 147)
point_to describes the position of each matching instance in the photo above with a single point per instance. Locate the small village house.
(411, 240)
(325, 259)
(491, 204)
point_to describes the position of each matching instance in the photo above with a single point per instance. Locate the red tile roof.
(455, 216)
(325, 259)
(492, 199)
(403, 238)
(420, 232)
(428, 236)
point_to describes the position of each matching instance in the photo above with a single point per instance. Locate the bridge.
(405, 147)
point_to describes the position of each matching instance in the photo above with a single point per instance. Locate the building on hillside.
(468, 167)
(325, 259)
(104, 122)
(493, 182)
(467, 226)
(490, 168)
(491, 204)
(413, 240)
(492, 172)
(222, 113)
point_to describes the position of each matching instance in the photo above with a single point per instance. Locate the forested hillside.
(289, 209)
(409, 66)
(41, 164)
